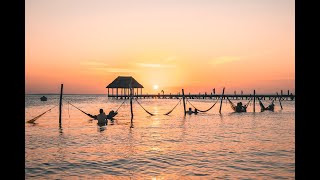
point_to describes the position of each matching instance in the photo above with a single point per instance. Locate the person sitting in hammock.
(102, 118)
(240, 108)
(189, 111)
(195, 111)
(270, 107)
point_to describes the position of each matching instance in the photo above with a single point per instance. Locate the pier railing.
(208, 96)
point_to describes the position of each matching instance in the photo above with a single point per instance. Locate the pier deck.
(207, 96)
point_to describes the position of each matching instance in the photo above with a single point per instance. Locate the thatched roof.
(124, 82)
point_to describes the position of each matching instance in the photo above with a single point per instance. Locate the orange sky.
(197, 45)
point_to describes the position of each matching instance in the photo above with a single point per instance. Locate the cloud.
(156, 65)
(225, 59)
(104, 67)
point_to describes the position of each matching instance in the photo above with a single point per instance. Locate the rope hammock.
(92, 116)
(144, 108)
(263, 108)
(173, 108)
(231, 104)
(37, 117)
(121, 105)
(204, 110)
(261, 105)
(163, 114)
(234, 107)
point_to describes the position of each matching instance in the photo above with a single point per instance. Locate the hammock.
(243, 109)
(173, 108)
(144, 108)
(92, 116)
(231, 104)
(37, 117)
(203, 110)
(263, 108)
(261, 105)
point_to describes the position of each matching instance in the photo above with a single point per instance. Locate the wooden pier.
(289, 97)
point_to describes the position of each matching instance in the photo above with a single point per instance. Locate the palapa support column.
(221, 100)
(254, 100)
(60, 105)
(184, 103)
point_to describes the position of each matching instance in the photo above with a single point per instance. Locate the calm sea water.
(208, 145)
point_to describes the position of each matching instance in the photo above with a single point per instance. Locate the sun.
(155, 86)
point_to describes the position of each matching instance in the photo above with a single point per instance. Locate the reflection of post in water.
(60, 154)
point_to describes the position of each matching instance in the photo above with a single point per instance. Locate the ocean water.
(209, 145)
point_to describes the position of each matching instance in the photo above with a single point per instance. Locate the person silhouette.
(102, 118)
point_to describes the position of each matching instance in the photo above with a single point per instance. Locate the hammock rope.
(144, 108)
(81, 110)
(121, 105)
(37, 117)
(203, 110)
(172, 108)
(231, 104)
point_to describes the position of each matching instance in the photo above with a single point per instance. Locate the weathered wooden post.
(60, 105)
(131, 107)
(242, 95)
(184, 103)
(279, 100)
(254, 100)
(221, 100)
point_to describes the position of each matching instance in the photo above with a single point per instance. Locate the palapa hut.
(124, 83)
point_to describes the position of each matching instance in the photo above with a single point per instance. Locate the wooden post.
(254, 100)
(279, 100)
(184, 103)
(221, 100)
(117, 93)
(60, 104)
(131, 109)
(108, 91)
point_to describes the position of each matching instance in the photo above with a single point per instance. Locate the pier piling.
(184, 103)
(60, 105)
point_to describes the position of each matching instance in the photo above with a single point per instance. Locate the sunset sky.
(197, 45)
